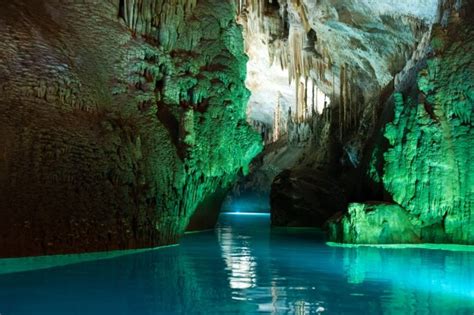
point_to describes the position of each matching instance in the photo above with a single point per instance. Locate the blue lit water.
(244, 267)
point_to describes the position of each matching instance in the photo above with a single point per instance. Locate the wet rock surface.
(373, 223)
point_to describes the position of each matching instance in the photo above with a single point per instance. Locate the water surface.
(244, 267)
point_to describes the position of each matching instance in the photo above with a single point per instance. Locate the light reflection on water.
(245, 267)
(238, 258)
(293, 271)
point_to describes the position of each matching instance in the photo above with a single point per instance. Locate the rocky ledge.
(373, 223)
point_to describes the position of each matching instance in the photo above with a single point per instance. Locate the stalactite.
(295, 44)
(305, 103)
(277, 119)
(302, 101)
(347, 104)
(145, 17)
(302, 14)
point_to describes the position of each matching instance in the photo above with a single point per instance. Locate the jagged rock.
(373, 223)
(304, 197)
(350, 52)
(117, 119)
(349, 49)
(427, 167)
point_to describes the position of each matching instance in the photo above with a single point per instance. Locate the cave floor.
(245, 267)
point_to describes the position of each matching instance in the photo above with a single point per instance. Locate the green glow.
(375, 223)
(450, 247)
(428, 167)
(160, 124)
(199, 231)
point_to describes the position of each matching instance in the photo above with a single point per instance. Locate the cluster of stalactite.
(349, 107)
(312, 107)
(296, 47)
(307, 103)
(266, 132)
(293, 47)
(160, 19)
(307, 57)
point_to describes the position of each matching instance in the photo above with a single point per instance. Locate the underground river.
(245, 267)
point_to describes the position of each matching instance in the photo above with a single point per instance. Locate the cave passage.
(236, 157)
(246, 267)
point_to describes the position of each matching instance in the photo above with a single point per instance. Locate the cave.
(236, 157)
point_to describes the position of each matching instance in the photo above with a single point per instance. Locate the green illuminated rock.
(117, 118)
(427, 168)
(376, 223)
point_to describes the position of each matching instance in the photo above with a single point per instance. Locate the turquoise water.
(244, 267)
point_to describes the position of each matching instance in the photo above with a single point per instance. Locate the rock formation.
(399, 124)
(373, 223)
(427, 167)
(120, 118)
(117, 119)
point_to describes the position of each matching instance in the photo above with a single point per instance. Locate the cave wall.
(427, 168)
(398, 127)
(424, 165)
(351, 51)
(348, 51)
(117, 118)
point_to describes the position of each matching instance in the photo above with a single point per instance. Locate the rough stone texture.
(304, 197)
(351, 52)
(350, 49)
(359, 53)
(370, 40)
(373, 223)
(428, 167)
(116, 120)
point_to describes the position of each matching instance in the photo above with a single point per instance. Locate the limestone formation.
(373, 223)
(117, 119)
(120, 118)
(380, 137)
(349, 53)
(428, 167)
